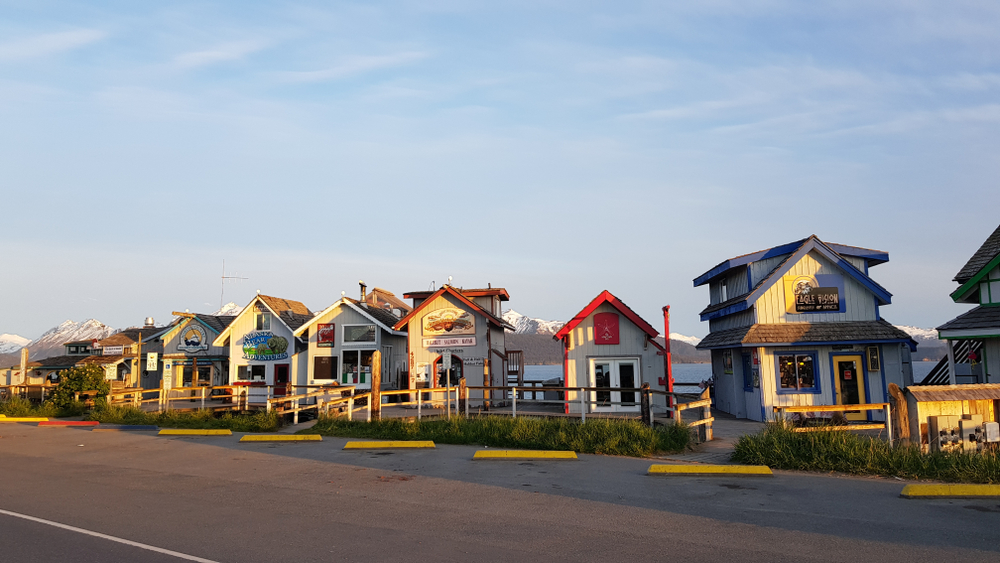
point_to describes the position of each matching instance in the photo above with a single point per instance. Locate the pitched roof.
(480, 292)
(970, 392)
(803, 247)
(806, 333)
(874, 257)
(381, 317)
(128, 336)
(983, 317)
(379, 295)
(456, 293)
(218, 323)
(602, 298)
(279, 305)
(986, 253)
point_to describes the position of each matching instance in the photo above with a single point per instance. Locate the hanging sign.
(326, 335)
(151, 359)
(819, 293)
(446, 360)
(606, 328)
(111, 371)
(264, 346)
(448, 322)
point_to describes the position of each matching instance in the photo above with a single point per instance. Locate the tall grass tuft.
(599, 436)
(202, 419)
(16, 406)
(778, 446)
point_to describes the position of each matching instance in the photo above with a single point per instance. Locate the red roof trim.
(606, 297)
(450, 290)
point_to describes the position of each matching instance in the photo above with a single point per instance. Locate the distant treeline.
(541, 349)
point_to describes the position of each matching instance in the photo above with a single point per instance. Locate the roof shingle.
(986, 253)
(801, 333)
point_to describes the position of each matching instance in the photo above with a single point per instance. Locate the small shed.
(607, 345)
(923, 401)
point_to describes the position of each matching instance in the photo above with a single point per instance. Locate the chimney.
(364, 289)
(149, 322)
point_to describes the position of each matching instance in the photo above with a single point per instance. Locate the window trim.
(258, 320)
(345, 328)
(817, 388)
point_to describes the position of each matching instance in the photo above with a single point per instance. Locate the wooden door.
(849, 376)
(281, 380)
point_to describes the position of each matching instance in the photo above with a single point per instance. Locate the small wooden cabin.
(801, 325)
(465, 324)
(608, 345)
(188, 348)
(263, 349)
(342, 340)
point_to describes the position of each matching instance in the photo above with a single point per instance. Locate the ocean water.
(689, 373)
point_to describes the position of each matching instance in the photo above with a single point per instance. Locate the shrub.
(600, 436)
(778, 446)
(76, 380)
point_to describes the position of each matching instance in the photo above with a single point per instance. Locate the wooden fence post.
(705, 432)
(463, 396)
(898, 406)
(583, 405)
(420, 402)
(375, 401)
(350, 407)
(513, 402)
(644, 406)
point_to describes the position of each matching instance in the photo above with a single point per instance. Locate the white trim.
(355, 345)
(302, 329)
(969, 333)
(615, 382)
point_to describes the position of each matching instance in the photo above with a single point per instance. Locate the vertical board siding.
(736, 284)
(859, 301)
(743, 318)
(761, 268)
(632, 344)
(991, 353)
(245, 323)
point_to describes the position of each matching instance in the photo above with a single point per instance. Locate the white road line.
(107, 537)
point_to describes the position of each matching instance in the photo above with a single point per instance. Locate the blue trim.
(878, 313)
(815, 390)
(734, 308)
(834, 343)
(746, 259)
(864, 370)
(876, 257)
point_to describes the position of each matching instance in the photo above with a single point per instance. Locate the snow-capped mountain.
(230, 309)
(528, 325)
(921, 335)
(51, 342)
(692, 340)
(11, 343)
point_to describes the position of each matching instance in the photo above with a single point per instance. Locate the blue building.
(800, 324)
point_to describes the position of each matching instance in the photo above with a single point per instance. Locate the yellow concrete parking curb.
(950, 491)
(708, 470)
(194, 432)
(523, 454)
(282, 438)
(389, 444)
(23, 419)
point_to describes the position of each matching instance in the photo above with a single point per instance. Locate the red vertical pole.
(565, 380)
(666, 344)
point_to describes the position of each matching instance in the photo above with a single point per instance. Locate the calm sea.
(688, 373)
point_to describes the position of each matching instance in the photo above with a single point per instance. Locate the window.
(723, 292)
(257, 373)
(263, 321)
(797, 373)
(359, 334)
(325, 367)
(241, 373)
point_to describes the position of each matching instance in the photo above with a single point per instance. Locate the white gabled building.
(263, 348)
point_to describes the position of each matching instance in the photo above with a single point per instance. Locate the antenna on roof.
(449, 280)
(234, 278)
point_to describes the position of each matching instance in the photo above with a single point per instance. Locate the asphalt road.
(221, 500)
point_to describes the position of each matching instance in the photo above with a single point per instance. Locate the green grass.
(202, 419)
(779, 447)
(17, 406)
(599, 436)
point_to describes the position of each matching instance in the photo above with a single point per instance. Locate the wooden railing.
(783, 413)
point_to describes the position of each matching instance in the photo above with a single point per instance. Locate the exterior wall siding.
(393, 375)
(761, 268)
(860, 302)
(743, 318)
(244, 324)
(632, 344)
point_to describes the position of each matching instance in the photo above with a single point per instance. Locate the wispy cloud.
(355, 65)
(222, 53)
(48, 44)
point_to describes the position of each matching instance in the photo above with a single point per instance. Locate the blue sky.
(553, 148)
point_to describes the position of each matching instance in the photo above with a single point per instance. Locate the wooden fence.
(783, 413)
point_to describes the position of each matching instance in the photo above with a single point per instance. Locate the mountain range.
(51, 342)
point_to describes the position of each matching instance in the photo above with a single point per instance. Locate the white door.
(614, 375)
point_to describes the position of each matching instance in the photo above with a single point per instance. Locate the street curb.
(65, 423)
(523, 454)
(282, 438)
(125, 428)
(194, 432)
(950, 491)
(711, 470)
(389, 444)
(23, 419)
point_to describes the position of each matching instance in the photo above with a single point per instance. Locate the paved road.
(221, 500)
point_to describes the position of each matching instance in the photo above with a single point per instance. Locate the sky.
(556, 149)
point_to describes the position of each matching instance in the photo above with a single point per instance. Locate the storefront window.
(357, 367)
(257, 373)
(359, 334)
(797, 372)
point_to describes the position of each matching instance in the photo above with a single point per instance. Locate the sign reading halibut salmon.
(444, 342)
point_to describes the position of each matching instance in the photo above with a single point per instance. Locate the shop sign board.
(461, 341)
(264, 346)
(151, 360)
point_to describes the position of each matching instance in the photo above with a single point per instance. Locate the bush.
(76, 380)
(780, 447)
(600, 436)
(17, 406)
(202, 419)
